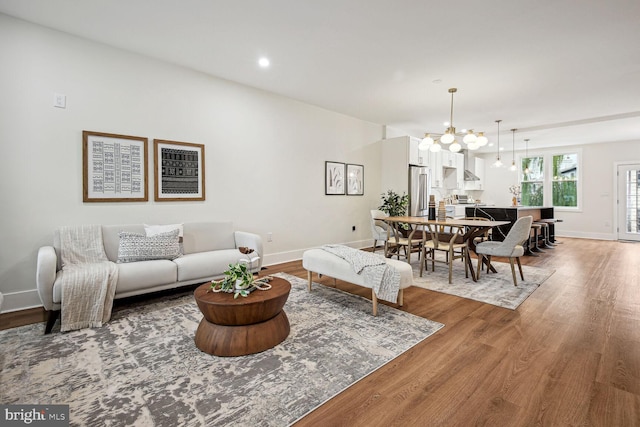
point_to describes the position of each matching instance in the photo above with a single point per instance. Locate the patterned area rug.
(495, 288)
(143, 368)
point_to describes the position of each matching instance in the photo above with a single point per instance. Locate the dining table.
(472, 228)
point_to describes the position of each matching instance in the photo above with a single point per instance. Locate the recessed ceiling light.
(436, 81)
(263, 62)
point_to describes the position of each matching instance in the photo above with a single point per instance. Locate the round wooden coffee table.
(243, 325)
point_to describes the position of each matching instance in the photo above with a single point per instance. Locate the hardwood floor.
(569, 355)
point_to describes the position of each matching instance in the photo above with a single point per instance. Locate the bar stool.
(551, 222)
(544, 234)
(537, 231)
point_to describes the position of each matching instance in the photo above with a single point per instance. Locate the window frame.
(547, 183)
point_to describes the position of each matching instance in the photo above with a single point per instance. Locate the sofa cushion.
(206, 264)
(134, 276)
(145, 274)
(207, 236)
(137, 247)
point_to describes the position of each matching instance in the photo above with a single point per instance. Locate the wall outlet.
(269, 237)
(353, 228)
(59, 100)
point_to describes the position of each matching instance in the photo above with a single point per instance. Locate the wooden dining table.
(472, 228)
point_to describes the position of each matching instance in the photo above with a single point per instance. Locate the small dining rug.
(142, 368)
(495, 288)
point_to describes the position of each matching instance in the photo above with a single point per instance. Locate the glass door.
(629, 202)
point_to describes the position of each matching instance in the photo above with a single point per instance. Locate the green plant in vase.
(394, 204)
(239, 280)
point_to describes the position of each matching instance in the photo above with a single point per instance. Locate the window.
(565, 180)
(558, 187)
(532, 184)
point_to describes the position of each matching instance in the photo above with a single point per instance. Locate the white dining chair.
(511, 247)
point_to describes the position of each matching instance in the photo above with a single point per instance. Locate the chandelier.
(472, 140)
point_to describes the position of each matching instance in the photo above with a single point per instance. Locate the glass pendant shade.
(470, 138)
(447, 138)
(481, 140)
(513, 167)
(435, 147)
(473, 146)
(497, 163)
(426, 142)
(455, 147)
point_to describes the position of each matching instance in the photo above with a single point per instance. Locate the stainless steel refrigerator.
(419, 188)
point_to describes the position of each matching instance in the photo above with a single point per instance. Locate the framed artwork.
(179, 171)
(333, 178)
(114, 168)
(355, 180)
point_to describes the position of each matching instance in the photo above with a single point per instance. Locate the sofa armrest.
(46, 275)
(252, 241)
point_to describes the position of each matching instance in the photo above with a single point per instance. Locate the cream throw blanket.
(88, 279)
(384, 279)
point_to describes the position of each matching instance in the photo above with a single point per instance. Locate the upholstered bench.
(328, 264)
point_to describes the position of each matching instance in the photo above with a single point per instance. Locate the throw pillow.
(137, 247)
(153, 230)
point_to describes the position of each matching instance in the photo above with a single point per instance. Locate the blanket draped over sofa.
(385, 279)
(88, 278)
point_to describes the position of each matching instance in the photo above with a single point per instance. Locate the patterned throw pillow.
(138, 247)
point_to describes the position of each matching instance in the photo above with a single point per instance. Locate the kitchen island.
(511, 214)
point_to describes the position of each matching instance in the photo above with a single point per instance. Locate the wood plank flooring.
(569, 355)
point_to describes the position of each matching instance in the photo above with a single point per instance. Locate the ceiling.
(561, 71)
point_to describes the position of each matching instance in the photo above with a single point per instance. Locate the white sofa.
(208, 249)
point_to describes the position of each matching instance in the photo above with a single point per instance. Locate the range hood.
(468, 175)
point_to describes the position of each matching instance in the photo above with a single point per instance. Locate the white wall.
(595, 218)
(264, 153)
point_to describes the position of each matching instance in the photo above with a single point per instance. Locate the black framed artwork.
(334, 184)
(355, 180)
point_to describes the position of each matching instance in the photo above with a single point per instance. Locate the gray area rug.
(143, 369)
(495, 288)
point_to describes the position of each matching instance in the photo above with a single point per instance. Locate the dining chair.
(451, 242)
(380, 230)
(511, 247)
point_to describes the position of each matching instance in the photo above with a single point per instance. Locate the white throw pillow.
(152, 230)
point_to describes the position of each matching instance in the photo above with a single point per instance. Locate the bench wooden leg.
(309, 274)
(374, 300)
(401, 297)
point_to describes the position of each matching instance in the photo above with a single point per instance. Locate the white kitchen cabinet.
(435, 164)
(459, 165)
(417, 156)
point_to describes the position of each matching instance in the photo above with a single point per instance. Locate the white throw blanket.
(88, 278)
(384, 279)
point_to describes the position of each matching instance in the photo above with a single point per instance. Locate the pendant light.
(526, 156)
(513, 167)
(498, 163)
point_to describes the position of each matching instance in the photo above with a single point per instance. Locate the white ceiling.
(561, 71)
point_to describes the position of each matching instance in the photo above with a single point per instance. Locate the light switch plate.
(59, 100)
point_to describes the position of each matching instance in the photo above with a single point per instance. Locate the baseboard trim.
(581, 235)
(21, 300)
(281, 257)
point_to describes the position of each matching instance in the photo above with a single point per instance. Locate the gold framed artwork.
(179, 171)
(114, 168)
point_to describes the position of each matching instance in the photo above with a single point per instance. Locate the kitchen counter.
(511, 213)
